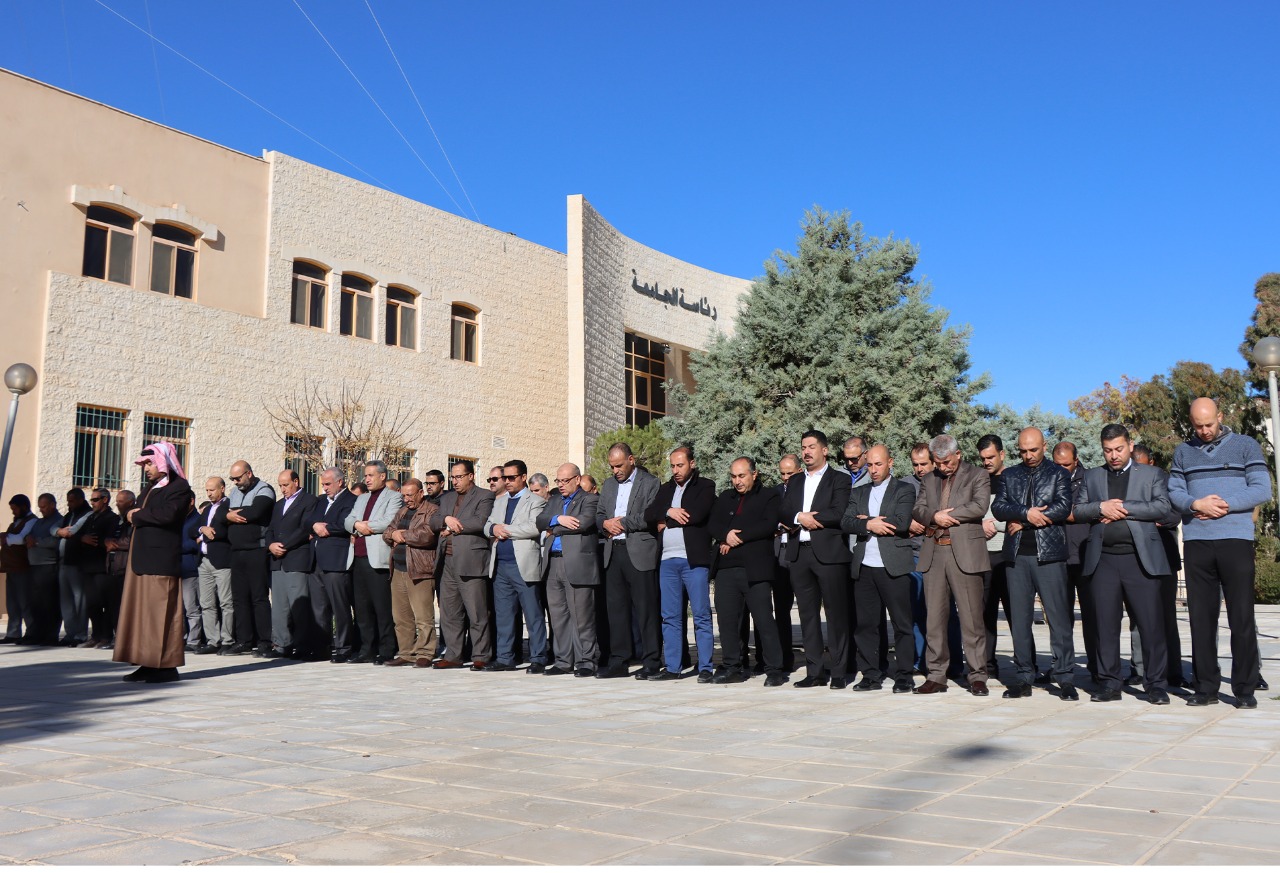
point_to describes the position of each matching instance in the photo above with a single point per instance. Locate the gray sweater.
(1232, 467)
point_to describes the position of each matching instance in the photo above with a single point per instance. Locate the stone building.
(164, 286)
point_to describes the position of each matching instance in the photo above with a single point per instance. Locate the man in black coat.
(289, 542)
(743, 521)
(251, 503)
(679, 515)
(811, 512)
(88, 548)
(330, 582)
(879, 517)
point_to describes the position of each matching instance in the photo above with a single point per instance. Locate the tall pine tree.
(837, 336)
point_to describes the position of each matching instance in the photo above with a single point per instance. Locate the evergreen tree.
(1265, 322)
(839, 336)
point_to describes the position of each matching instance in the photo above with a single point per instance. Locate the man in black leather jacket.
(1035, 497)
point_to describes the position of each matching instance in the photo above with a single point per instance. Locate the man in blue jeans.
(679, 515)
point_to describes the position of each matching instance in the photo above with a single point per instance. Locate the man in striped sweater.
(1218, 478)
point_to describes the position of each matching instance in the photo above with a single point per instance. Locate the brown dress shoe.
(397, 662)
(448, 665)
(422, 662)
(978, 688)
(931, 687)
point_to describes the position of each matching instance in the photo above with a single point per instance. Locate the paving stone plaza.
(248, 762)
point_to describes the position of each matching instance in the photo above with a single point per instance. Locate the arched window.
(173, 261)
(108, 245)
(309, 286)
(466, 334)
(355, 316)
(402, 317)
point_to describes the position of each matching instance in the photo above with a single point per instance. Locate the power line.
(155, 61)
(423, 111)
(228, 85)
(377, 105)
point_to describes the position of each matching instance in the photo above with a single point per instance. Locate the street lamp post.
(19, 379)
(1266, 354)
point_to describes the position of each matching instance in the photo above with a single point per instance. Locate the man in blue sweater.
(1218, 477)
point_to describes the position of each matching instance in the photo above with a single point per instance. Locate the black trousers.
(822, 587)
(251, 596)
(1219, 570)
(1120, 581)
(43, 605)
(97, 603)
(736, 596)
(371, 588)
(332, 626)
(632, 595)
(875, 591)
(1082, 586)
(996, 594)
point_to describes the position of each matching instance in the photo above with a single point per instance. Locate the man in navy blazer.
(817, 550)
(330, 582)
(1126, 558)
(289, 541)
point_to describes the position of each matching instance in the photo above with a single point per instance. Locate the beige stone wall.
(57, 149)
(605, 270)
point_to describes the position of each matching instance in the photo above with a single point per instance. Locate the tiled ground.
(252, 762)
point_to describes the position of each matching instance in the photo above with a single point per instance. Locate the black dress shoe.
(1262, 684)
(1202, 699)
(810, 682)
(1110, 695)
(774, 681)
(1014, 691)
(340, 659)
(536, 668)
(209, 649)
(556, 671)
(1158, 697)
(379, 660)
(904, 686)
(162, 674)
(704, 677)
(645, 673)
(1043, 678)
(498, 667)
(868, 685)
(237, 649)
(729, 677)
(138, 675)
(664, 676)
(1246, 701)
(358, 659)
(839, 682)
(272, 654)
(584, 673)
(1067, 691)
(617, 672)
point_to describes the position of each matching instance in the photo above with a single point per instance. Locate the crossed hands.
(1209, 507)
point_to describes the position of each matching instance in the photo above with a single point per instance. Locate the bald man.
(571, 568)
(1217, 480)
(1036, 494)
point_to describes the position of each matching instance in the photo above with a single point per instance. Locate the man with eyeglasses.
(462, 565)
(433, 487)
(249, 509)
(572, 573)
(855, 461)
(495, 482)
(90, 551)
(516, 566)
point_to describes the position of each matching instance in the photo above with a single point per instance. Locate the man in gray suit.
(572, 568)
(369, 560)
(879, 517)
(462, 565)
(953, 558)
(516, 566)
(630, 566)
(1126, 558)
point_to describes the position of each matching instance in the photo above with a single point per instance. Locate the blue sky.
(1093, 186)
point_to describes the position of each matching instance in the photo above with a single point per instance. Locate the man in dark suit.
(818, 553)
(879, 517)
(1126, 559)
(330, 583)
(953, 558)
(87, 548)
(292, 559)
(571, 560)
(214, 570)
(743, 522)
(252, 501)
(630, 566)
(462, 566)
(1168, 527)
(679, 513)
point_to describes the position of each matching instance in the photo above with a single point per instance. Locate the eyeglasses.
(567, 481)
(459, 476)
(510, 478)
(495, 478)
(433, 482)
(852, 460)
